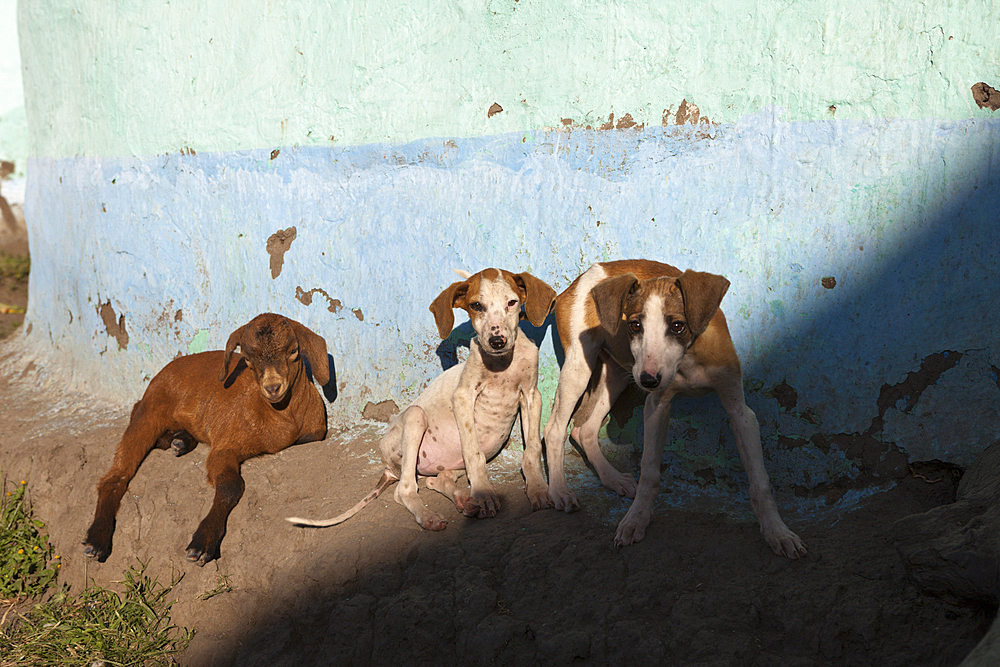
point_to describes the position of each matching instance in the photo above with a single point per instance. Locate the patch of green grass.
(27, 566)
(98, 627)
(95, 627)
(15, 267)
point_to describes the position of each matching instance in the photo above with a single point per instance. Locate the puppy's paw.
(483, 504)
(788, 544)
(563, 499)
(433, 522)
(632, 528)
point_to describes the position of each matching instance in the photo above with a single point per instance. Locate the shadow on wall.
(937, 293)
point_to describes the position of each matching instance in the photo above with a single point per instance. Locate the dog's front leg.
(531, 462)
(747, 431)
(483, 500)
(656, 417)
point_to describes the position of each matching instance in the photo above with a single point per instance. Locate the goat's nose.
(497, 342)
(648, 381)
(272, 389)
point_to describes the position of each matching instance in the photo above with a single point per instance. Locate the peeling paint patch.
(115, 329)
(987, 97)
(381, 412)
(925, 424)
(277, 245)
(358, 314)
(494, 110)
(199, 342)
(306, 298)
(785, 395)
(829, 282)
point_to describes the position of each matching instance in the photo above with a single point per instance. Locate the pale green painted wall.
(13, 120)
(140, 78)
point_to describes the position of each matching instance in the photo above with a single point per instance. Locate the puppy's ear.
(313, 347)
(609, 299)
(452, 297)
(538, 297)
(702, 294)
(231, 345)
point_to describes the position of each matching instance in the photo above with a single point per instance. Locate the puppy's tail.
(387, 479)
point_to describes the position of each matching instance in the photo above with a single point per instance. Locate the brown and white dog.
(465, 415)
(664, 328)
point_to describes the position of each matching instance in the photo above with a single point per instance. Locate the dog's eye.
(677, 327)
(635, 326)
(476, 306)
(512, 303)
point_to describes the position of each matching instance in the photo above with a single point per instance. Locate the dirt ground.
(525, 588)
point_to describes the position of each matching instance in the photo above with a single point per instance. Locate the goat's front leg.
(224, 474)
(483, 499)
(138, 440)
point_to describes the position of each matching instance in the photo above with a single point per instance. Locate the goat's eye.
(248, 362)
(677, 327)
(512, 303)
(476, 306)
(634, 326)
(294, 354)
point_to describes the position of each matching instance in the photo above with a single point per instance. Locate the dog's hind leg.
(414, 425)
(450, 483)
(610, 384)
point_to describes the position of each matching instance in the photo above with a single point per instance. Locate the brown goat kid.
(240, 415)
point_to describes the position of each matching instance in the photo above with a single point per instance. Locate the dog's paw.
(563, 499)
(620, 483)
(632, 528)
(786, 543)
(482, 504)
(433, 522)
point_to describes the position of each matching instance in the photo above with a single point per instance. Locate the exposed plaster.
(115, 329)
(986, 96)
(277, 245)
(306, 298)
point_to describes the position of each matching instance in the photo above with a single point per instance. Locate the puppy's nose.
(648, 381)
(497, 342)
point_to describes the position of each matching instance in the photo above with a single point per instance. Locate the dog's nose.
(497, 342)
(648, 381)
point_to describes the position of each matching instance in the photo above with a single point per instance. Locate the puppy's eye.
(512, 303)
(677, 327)
(635, 326)
(476, 306)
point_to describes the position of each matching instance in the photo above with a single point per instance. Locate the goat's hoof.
(199, 557)
(99, 553)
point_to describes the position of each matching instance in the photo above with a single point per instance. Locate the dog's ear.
(452, 297)
(313, 347)
(537, 295)
(231, 345)
(609, 298)
(702, 294)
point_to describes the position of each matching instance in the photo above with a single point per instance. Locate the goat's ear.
(609, 299)
(231, 345)
(452, 297)
(702, 293)
(538, 297)
(313, 346)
